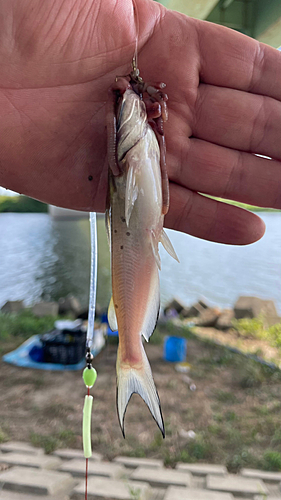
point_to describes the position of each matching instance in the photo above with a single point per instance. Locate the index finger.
(231, 59)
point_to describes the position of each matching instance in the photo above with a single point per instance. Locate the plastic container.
(174, 349)
(65, 347)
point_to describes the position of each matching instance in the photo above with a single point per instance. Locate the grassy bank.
(234, 412)
(21, 204)
(251, 208)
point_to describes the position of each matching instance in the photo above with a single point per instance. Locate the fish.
(137, 203)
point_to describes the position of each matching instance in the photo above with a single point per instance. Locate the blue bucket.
(175, 349)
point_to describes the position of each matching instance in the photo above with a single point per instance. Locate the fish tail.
(139, 380)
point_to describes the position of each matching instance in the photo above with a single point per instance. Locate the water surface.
(43, 258)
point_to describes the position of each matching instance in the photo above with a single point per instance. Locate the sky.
(7, 192)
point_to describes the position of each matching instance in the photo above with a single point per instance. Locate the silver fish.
(135, 226)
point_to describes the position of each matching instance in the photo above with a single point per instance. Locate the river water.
(43, 258)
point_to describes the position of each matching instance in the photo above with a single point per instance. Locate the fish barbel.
(136, 228)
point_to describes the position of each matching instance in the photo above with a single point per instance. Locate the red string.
(86, 478)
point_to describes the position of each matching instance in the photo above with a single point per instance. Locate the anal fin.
(111, 316)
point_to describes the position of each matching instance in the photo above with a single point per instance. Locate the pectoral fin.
(154, 245)
(111, 316)
(131, 193)
(107, 226)
(166, 242)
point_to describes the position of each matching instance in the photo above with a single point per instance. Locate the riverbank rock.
(224, 321)
(195, 310)
(45, 309)
(69, 304)
(174, 305)
(13, 306)
(208, 317)
(252, 307)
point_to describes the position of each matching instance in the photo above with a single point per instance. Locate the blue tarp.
(20, 357)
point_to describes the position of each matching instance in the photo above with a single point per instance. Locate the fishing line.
(136, 18)
(89, 373)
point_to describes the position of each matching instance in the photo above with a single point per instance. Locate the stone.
(13, 306)
(105, 489)
(34, 461)
(69, 304)
(45, 309)
(69, 454)
(260, 497)
(20, 447)
(200, 469)
(36, 482)
(252, 307)
(224, 321)
(270, 477)
(236, 484)
(174, 493)
(208, 317)
(11, 495)
(194, 310)
(175, 305)
(133, 463)
(161, 478)
(76, 467)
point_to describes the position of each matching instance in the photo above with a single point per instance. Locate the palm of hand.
(53, 91)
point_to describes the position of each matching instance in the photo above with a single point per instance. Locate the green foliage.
(135, 493)
(255, 328)
(242, 458)
(50, 443)
(21, 204)
(157, 338)
(250, 374)
(225, 396)
(272, 460)
(250, 327)
(24, 324)
(251, 208)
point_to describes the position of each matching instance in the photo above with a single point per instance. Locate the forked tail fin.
(140, 381)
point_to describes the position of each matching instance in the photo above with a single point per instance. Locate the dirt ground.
(234, 412)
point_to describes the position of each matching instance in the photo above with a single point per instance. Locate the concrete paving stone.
(237, 485)
(203, 469)
(271, 477)
(37, 461)
(20, 447)
(133, 463)
(174, 493)
(262, 497)
(77, 468)
(11, 495)
(69, 454)
(109, 489)
(157, 494)
(161, 478)
(36, 482)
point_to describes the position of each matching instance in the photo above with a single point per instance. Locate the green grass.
(50, 443)
(256, 328)
(21, 204)
(24, 324)
(271, 460)
(245, 206)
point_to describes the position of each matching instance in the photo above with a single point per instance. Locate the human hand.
(57, 62)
